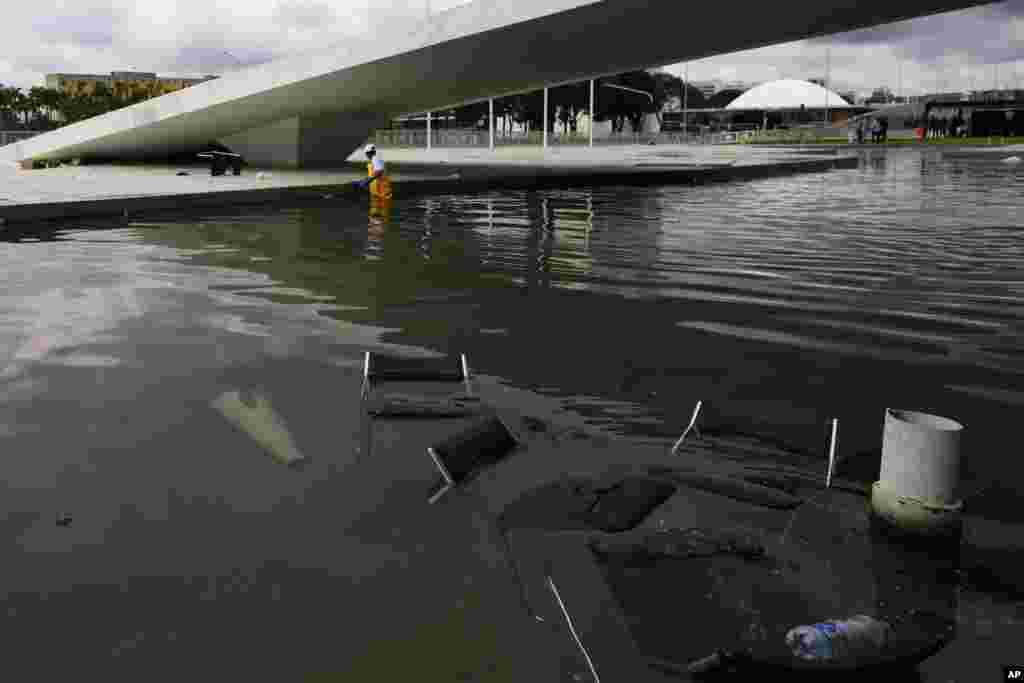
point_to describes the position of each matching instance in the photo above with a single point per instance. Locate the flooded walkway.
(594, 318)
(111, 190)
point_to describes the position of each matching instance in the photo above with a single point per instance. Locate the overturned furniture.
(747, 557)
(463, 455)
(221, 161)
(426, 393)
(378, 368)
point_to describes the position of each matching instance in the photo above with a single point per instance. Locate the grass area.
(899, 142)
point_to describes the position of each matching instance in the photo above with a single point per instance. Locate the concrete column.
(428, 130)
(591, 112)
(544, 135)
(490, 120)
(686, 93)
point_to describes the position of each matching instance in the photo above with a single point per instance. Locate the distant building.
(707, 88)
(742, 86)
(120, 83)
(880, 96)
(850, 96)
(947, 97)
(790, 102)
(983, 116)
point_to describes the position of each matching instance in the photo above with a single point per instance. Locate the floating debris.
(257, 418)
(466, 453)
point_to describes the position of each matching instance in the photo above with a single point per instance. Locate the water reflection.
(779, 303)
(912, 258)
(379, 218)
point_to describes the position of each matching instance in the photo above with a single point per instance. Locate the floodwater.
(781, 303)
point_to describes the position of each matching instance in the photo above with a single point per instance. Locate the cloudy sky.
(954, 51)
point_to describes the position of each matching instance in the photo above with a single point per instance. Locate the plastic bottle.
(858, 637)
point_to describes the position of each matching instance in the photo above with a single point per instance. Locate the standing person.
(884, 130)
(875, 131)
(860, 132)
(376, 179)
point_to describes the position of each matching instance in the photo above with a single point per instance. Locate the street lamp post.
(828, 54)
(686, 92)
(591, 112)
(544, 138)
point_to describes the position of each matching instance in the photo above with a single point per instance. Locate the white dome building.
(788, 103)
(788, 94)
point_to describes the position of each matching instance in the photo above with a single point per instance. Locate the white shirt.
(378, 163)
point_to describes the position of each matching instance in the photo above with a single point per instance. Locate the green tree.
(471, 115)
(7, 116)
(722, 98)
(138, 93)
(21, 106)
(42, 103)
(50, 100)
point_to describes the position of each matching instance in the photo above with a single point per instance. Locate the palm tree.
(36, 101)
(54, 101)
(75, 107)
(21, 107)
(6, 104)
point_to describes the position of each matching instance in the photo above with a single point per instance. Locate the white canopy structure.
(788, 94)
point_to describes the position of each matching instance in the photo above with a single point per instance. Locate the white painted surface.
(921, 456)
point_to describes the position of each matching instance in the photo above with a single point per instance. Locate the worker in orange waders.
(376, 180)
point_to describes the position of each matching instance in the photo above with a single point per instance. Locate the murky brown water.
(780, 303)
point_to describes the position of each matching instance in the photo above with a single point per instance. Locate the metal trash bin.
(920, 473)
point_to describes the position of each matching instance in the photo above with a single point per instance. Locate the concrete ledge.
(449, 179)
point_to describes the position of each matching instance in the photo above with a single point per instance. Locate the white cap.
(370, 148)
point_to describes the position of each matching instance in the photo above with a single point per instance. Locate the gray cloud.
(193, 37)
(94, 28)
(304, 15)
(214, 58)
(1009, 8)
(980, 35)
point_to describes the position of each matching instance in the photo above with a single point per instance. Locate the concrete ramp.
(314, 110)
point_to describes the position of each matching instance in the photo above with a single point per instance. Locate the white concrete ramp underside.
(314, 110)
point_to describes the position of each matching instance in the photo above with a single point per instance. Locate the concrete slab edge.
(482, 179)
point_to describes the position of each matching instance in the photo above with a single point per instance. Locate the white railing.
(474, 138)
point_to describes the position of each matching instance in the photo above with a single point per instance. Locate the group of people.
(946, 127)
(878, 128)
